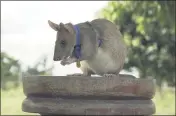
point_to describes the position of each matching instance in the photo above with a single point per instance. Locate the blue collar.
(77, 47)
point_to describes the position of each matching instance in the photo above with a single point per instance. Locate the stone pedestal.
(63, 95)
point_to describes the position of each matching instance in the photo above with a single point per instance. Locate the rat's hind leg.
(119, 75)
(86, 72)
(116, 74)
(109, 75)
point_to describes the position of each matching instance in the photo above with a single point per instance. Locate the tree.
(10, 70)
(149, 32)
(39, 68)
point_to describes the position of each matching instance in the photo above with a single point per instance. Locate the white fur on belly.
(103, 63)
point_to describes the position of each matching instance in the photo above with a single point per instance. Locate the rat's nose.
(56, 58)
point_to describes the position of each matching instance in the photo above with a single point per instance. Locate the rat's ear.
(68, 27)
(61, 25)
(54, 26)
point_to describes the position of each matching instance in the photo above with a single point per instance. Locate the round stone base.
(87, 107)
(89, 86)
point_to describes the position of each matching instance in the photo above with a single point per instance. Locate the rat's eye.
(63, 43)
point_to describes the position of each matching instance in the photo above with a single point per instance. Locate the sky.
(26, 35)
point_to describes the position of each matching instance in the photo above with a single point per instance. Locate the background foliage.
(149, 32)
(11, 70)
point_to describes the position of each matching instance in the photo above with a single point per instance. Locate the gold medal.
(78, 64)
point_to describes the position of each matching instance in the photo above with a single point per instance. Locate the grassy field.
(11, 101)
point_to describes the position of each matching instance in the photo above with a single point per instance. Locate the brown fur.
(109, 58)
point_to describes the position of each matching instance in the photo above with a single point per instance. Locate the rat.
(97, 47)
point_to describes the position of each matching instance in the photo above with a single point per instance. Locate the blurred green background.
(148, 28)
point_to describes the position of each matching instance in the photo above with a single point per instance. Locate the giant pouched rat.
(96, 46)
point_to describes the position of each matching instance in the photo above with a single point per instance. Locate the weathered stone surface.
(88, 86)
(88, 107)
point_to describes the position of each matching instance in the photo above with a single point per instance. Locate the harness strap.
(77, 47)
(97, 35)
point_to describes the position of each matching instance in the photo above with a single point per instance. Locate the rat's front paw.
(63, 63)
(68, 61)
(110, 75)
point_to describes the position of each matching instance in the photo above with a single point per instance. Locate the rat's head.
(65, 40)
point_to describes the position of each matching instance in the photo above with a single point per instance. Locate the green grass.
(165, 102)
(11, 101)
